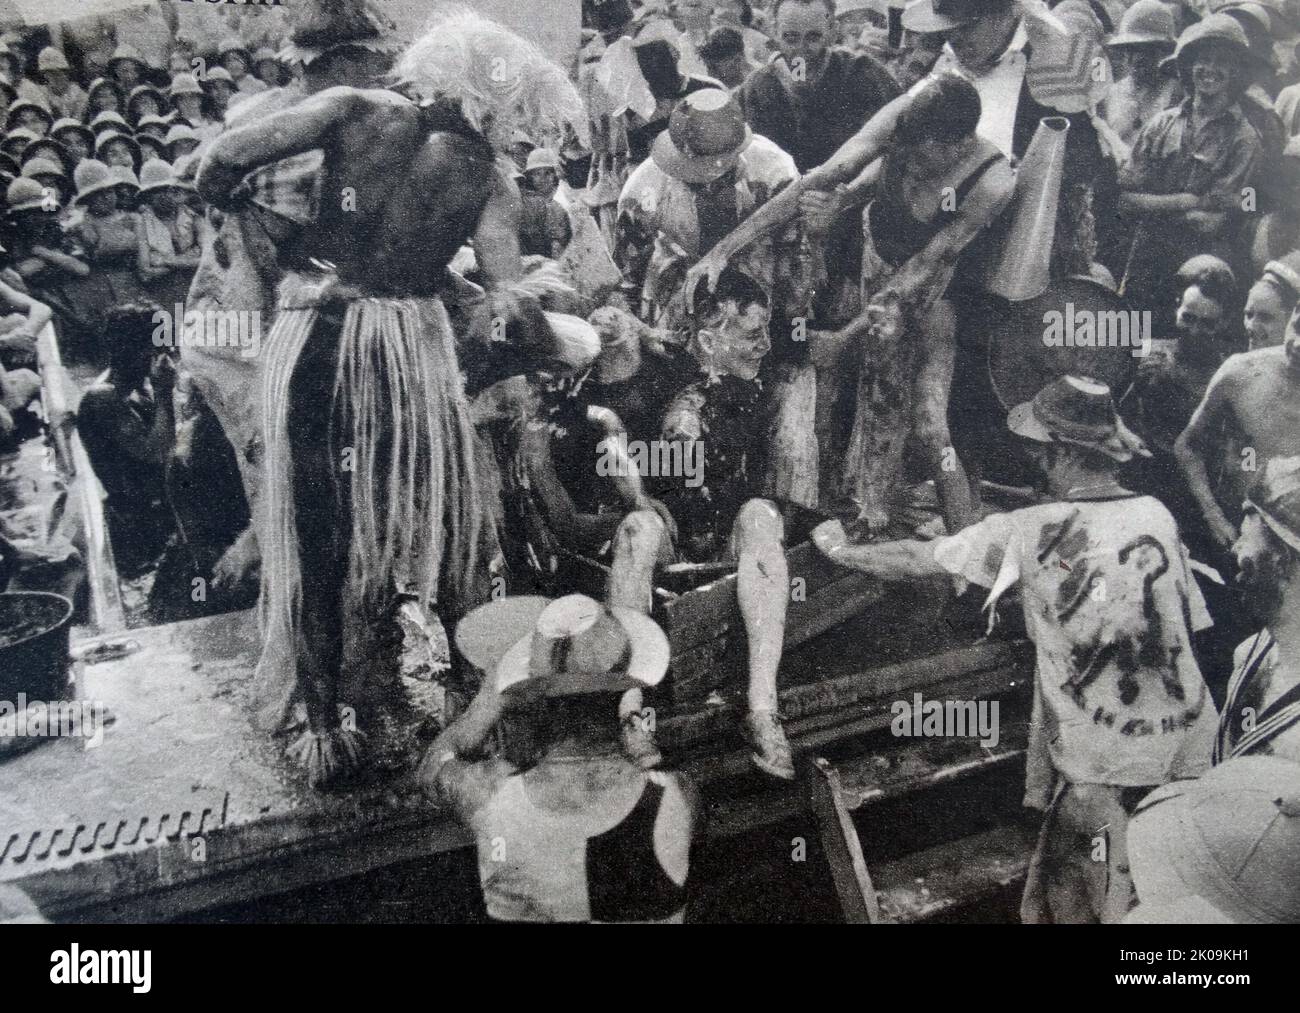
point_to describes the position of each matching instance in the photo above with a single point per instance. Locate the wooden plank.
(942, 879)
(840, 842)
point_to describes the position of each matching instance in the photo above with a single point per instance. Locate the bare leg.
(763, 593)
(938, 354)
(882, 419)
(638, 544)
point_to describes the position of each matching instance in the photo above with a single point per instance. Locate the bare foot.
(329, 757)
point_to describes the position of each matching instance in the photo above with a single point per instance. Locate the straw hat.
(218, 74)
(90, 177)
(50, 58)
(147, 123)
(1146, 23)
(706, 135)
(146, 89)
(1080, 412)
(157, 174)
(184, 84)
(37, 167)
(128, 53)
(1228, 840)
(19, 135)
(68, 125)
(108, 121)
(572, 646)
(542, 158)
(25, 103)
(124, 176)
(55, 152)
(180, 132)
(101, 83)
(26, 194)
(108, 137)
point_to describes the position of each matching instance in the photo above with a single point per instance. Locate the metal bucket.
(34, 628)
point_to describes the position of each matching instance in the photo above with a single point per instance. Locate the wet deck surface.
(184, 789)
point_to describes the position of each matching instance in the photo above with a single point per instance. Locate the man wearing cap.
(1144, 38)
(1110, 604)
(1223, 849)
(1252, 404)
(1191, 165)
(574, 832)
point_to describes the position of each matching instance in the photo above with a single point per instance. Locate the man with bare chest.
(371, 484)
(1254, 400)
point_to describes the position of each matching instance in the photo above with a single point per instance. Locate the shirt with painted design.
(1111, 605)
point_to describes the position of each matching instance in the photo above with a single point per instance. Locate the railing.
(106, 610)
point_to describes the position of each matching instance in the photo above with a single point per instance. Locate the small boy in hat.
(576, 832)
(1109, 601)
(169, 235)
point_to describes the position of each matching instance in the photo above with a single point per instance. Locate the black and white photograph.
(721, 462)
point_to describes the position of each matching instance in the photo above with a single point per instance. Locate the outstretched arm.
(853, 157)
(902, 560)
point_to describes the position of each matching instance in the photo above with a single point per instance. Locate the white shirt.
(999, 88)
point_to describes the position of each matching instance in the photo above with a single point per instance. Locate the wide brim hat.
(184, 84)
(542, 158)
(1078, 411)
(233, 44)
(9, 164)
(26, 194)
(145, 122)
(568, 646)
(51, 58)
(110, 136)
(108, 121)
(1146, 23)
(1218, 28)
(1230, 838)
(146, 89)
(90, 177)
(36, 167)
(68, 124)
(19, 134)
(706, 136)
(61, 153)
(929, 16)
(99, 84)
(128, 54)
(25, 103)
(157, 174)
(337, 24)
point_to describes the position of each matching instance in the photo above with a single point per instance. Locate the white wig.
(496, 75)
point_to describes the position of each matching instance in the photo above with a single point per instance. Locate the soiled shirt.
(1110, 604)
(812, 124)
(1217, 160)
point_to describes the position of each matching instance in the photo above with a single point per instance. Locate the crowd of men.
(773, 239)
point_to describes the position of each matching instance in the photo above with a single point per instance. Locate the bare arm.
(463, 736)
(573, 528)
(1200, 442)
(851, 160)
(38, 314)
(902, 560)
(306, 126)
(1158, 203)
(61, 260)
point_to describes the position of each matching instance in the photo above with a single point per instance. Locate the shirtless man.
(1254, 400)
(936, 189)
(416, 182)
